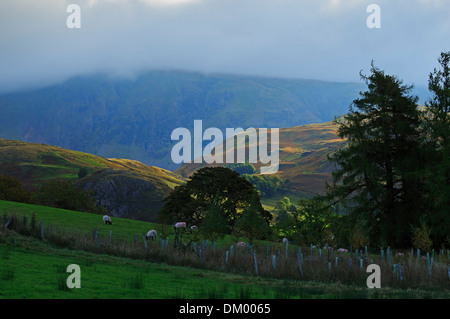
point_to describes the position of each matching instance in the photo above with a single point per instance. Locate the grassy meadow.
(32, 267)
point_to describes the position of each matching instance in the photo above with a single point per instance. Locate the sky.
(310, 39)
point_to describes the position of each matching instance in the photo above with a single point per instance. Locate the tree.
(251, 224)
(214, 225)
(217, 186)
(243, 168)
(62, 194)
(438, 132)
(379, 172)
(11, 190)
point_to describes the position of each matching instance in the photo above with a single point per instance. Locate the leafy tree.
(312, 220)
(243, 168)
(11, 190)
(251, 224)
(214, 225)
(217, 186)
(379, 177)
(62, 194)
(267, 185)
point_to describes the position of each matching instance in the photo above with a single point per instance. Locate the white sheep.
(107, 219)
(179, 225)
(151, 234)
(241, 244)
(194, 227)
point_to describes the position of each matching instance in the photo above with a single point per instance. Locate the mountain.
(134, 118)
(126, 188)
(303, 152)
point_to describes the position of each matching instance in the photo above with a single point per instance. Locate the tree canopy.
(217, 187)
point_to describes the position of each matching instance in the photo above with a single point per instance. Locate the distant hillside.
(126, 188)
(134, 118)
(303, 158)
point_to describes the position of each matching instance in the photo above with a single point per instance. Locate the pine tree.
(438, 170)
(379, 172)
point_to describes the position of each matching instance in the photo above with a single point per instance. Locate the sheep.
(343, 250)
(151, 234)
(107, 219)
(241, 244)
(179, 225)
(194, 227)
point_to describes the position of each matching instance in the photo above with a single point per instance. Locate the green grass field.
(33, 268)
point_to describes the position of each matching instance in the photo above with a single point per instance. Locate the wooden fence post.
(145, 242)
(8, 221)
(200, 255)
(42, 230)
(274, 262)
(299, 262)
(256, 263)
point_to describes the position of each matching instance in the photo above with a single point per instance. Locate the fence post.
(226, 258)
(145, 242)
(274, 262)
(256, 263)
(8, 221)
(42, 230)
(299, 265)
(200, 255)
(110, 237)
(329, 269)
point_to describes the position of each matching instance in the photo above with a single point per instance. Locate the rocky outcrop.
(126, 194)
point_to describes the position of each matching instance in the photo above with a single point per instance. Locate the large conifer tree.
(378, 174)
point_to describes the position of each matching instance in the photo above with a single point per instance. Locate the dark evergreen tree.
(438, 142)
(379, 175)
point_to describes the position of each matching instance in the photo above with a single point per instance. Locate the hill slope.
(134, 118)
(303, 158)
(125, 188)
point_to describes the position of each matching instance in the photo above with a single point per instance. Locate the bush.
(11, 190)
(62, 194)
(421, 237)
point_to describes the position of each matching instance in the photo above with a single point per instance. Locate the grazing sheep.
(193, 227)
(241, 244)
(179, 225)
(285, 240)
(107, 219)
(151, 234)
(343, 250)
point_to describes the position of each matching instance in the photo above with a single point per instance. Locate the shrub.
(421, 237)
(62, 194)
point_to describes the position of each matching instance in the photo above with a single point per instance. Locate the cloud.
(321, 39)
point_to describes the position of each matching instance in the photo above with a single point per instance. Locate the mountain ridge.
(134, 118)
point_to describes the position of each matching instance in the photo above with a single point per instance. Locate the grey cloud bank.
(320, 39)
